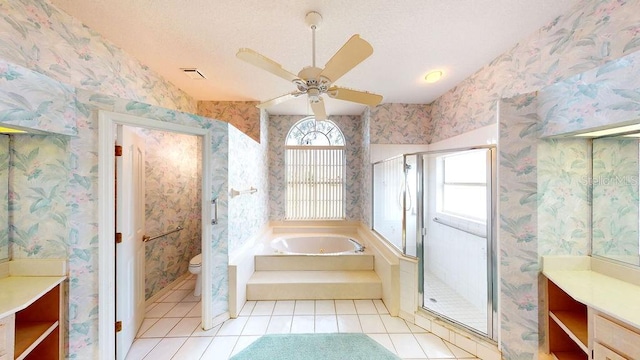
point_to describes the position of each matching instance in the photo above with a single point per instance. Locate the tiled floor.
(451, 304)
(171, 328)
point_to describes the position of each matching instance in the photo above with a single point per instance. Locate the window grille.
(315, 171)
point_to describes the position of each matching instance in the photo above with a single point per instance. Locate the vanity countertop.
(614, 297)
(18, 292)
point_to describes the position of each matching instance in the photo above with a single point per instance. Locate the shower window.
(315, 168)
(463, 193)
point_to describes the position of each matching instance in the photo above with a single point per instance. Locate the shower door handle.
(214, 211)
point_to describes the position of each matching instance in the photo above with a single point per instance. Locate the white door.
(130, 218)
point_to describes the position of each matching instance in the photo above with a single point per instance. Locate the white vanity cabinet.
(6, 337)
(592, 314)
(32, 307)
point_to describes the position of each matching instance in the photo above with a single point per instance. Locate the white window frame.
(326, 176)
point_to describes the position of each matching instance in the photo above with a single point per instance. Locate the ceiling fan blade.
(318, 110)
(361, 97)
(265, 63)
(278, 100)
(352, 53)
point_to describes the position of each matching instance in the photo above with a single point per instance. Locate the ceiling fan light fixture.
(433, 76)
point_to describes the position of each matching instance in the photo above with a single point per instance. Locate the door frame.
(106, 220)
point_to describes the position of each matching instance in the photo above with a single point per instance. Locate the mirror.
(615, 193)
(4, 197)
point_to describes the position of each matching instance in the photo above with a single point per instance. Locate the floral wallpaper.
(602, 96)
(518, 243)
(173, 193)
(398, 123)
(564, 170)
(4, 197)
(366, 191)
(350, 126)
(54, 110)
(592, 34)
(248, 167)
(615, 198)
(36, 35)
(244, 115)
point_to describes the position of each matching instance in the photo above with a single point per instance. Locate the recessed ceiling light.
(193, 73)
(611, 131)
(433, 76)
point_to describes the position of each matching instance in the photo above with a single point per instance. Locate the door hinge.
(118, 150)
(118, 238)
(118, 326)
(424, 231)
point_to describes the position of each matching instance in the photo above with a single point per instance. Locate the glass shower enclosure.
(439, 207)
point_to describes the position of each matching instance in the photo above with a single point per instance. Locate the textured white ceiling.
(409, 37)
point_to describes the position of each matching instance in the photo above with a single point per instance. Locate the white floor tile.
(394, 325)
(181, 309)
(407, 346)
(193, 348)
(196, 311)
(233, 326)
(160, 310)
(176, 295)
(247, 308)
(326, 324)
(220, 348)
(263, 308)
(349, 324)
(256, 325)
(365, 307)
(188, 284)
(191, 298)
(345, 307)
(141, 347)
(434, 347)
(284, 307)
(243, 342)
(458, 352)
(280, 324)
(161, 328)
(384, 340)
(372, 324)
(185, 327)
(305, 307)
(382, 309)
(146, 324)
(165, 349)
(325, 307)
(416, 329)
(303, 324)
(201, 332)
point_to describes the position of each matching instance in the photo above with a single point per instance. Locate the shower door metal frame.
(492, 244)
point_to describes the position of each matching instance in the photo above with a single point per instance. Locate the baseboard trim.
(166, 289)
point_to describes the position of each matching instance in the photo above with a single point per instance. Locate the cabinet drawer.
(617, 337)
(602, 353)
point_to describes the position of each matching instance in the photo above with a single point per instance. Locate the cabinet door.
(6, 337)
(602, 353)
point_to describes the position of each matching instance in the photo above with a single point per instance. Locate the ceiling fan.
(314, 81)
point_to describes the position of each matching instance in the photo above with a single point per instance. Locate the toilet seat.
(196, 261)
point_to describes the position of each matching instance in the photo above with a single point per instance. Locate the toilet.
(195, 265)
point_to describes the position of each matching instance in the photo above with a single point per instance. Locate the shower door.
(457, 251)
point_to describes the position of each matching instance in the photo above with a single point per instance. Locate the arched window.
(315, 171)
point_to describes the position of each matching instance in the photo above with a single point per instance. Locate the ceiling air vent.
(193, 73)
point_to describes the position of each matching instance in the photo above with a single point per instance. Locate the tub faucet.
(359, 247)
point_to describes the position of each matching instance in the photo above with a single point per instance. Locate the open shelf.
(574, 324)
(568, 325)
(568, 355)
(30, 334)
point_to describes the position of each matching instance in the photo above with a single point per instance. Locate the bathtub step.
(305, 262)
(310, 285)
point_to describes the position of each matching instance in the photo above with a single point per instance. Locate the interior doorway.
(109, 123)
